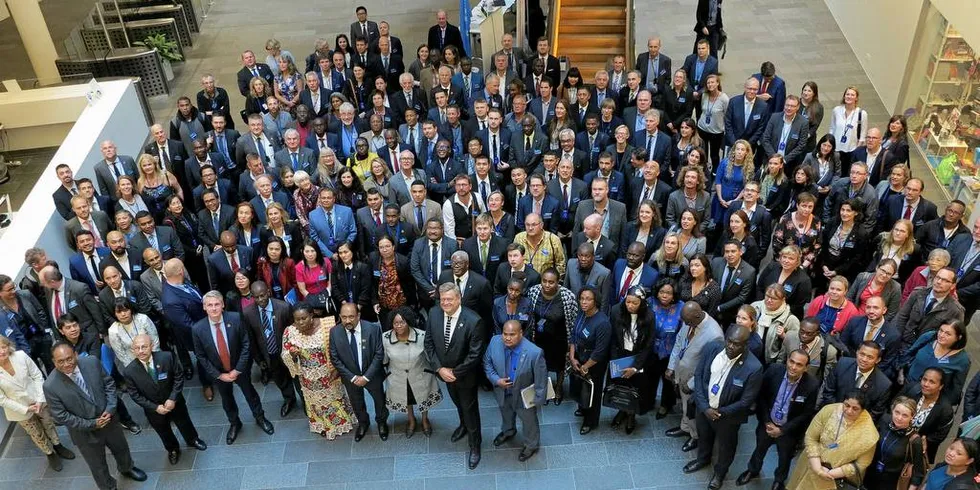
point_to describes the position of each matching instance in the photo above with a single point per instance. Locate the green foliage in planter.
(168, 49)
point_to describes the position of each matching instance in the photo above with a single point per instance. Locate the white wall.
(117, 116)
(40, 118)
(880, 32)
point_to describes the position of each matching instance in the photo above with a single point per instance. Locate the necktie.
(411, 139)
(364, 59)
(859, 380)
(271, 342)
(234, 263)
(871, 333)
(57, 305)
(295, 161)
(222, 145)
(466, 85)
(765, 86)
(354, 351)
(377, 219)
(564, 193)
(731, 274)
(537, 208)
(908, 212)
(495, 154)
(527, 145)
(394, 158)
(520, 195)
(484, 193)
(74, 191)
(166, 158)
(330, 222)
(442, 116)
(419, 221)
(459, 283)
(626, 284)
(449, 330)
(650, 141)
(930, 304)
(646, 193)
(384, 63)
(260, 146)
(115, 170)
(255, 72)
(223, 353)
(95, 267)
(151, 370)
(483, 256)
(214, 223)
(408, 100)
(90, 225)
(323, 142)
(434, 263)
(80, 381)
(153, 242)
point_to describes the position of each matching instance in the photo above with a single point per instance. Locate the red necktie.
(377, 219)
(57, 305)
(626, 285)
(234, 264)
(394, 157)
(222, 348)
(95, 232)
(908, 212)
(765, 85)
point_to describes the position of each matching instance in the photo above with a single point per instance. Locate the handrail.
(630, 32)
(554, 21)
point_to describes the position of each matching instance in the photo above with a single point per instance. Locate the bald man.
(182, 308)
(224, 263)
(126, 258)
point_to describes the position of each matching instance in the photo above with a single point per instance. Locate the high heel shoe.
(410, 430)
(630, 423)
(426, 428)
(618, 419)
(560, 390)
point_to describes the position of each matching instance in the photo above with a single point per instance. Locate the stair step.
(577, 52)
(592, 3)
(591, 41)
(592, 13)
(590, 26)
(589, 68)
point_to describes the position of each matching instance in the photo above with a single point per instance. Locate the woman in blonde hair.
(900, 444)
(730, 177)
(156, 185)
(898, 245)
(258, 91)
(288, 84)
(274, 51)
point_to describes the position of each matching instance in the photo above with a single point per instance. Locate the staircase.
(591, 32)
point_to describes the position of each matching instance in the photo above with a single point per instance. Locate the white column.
(36, 37)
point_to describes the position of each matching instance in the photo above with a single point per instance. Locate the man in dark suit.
(409, 96)
(495, 140)
(786, 134)
(444, 34)
(874, 155)
(785, 406)
(294, 155)
(654, 68)
(182, 309)
(171, 155)
(356, 352)
(736, 279)
(726, 384)
(515, 268)
(319, 139)
(160, 238)
(476, 290)
(527, 147)
(225, 263)
(613, 212)
(860, 374)
(568, 191)
(222, 348)
(111, 167)
(384, 31)
(454, 344)
(650, 187)
(912, 206)
(63, 194)
(155, 382)
(133, 291)
(266, 320)
(370, 219)
(542, 106)
(368, 29)
(585, 271)
(964, 251)
(760, 221)
(127, 259)
(83, 266)
(698, 67)
(656, 143)
(873, 326)
(251, 69)
(749, 126)
(429, 258)
(213, 219)
(605, 250)
(552, 68)
(226, 192)
(772, 89)
(221, 140)
(631, 271)
(259, 141)
(487, 249)
(83, 398)
(618, 184)
(387, 64)
(928, 308)
(202, 158)
(63, 295)
(442, 171)
(315, 97)
(590, 141)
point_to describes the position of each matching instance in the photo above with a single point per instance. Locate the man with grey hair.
(258, 140)
(604, 248)
(657, 144)
(295, 155)
(265, 196)
(455, 338)
(579, 159)
(476, 290)
(111, 167)
(213, 100)
(314, 97)
(221, 344)
(348, 129)
(170, 152)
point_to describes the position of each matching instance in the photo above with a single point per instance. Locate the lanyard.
(790, 390)
(839, 423)
(884, 449)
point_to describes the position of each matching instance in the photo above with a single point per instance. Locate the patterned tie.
(80, 381)
(95, 232)
(270, 340)
(260, 146)
(434, 264)
(908, 212)
(57, 305)
(234, 263)
(449, 330)
(377, 219)
(223, 353)
(626, 285)
(483, 256)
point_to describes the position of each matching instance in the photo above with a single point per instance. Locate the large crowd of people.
(401, 228)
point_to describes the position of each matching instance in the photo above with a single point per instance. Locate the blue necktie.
(153, 242)
(214, 222)
(483, 194)
(259, 145)
(434, 265)
(222, 145)
(330, 223)
(419, 221)
(353, 350)
(295, 161)
(270, 339)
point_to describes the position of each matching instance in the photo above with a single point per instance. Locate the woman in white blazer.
(22, 399)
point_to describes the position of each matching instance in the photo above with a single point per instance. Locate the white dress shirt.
(721, 367)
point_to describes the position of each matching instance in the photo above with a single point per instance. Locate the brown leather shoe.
(208, 393)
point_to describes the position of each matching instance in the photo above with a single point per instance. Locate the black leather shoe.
(458, 434)
(690, 445)
(579, 412)
(64, 452)
(526, 454)
(778, 485)
(694, 465)
(676, 432)
(208, 392)
(173, 456)
(502, 438)
(54, 461)
(361, 432)
(264, 377)
(474, 459)
(585, 429)
(233, 433)
(618, 419)
(132, 427)
(630, 423)
(134, 474)
(383, 431)
(745, 477)
(198, 444)
(715, 482)
(265, 425)
(287, 406)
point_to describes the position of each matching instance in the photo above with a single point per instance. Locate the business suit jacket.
(180, 308)
(219, 270)
(615, 213)
(137, 294)
(914, 322)
(477, 293)
(735, 127)
(550, 212)
(606, 251)
(968, 284)
(496, 254)
(545, 112)
(385, 154)
(206, 232)
(78, 267)
(105, 178)
(239, 348)
(690, 67)
(71, 407)
(227, 194)
(371, 357)
(504, 137)
(282, 317)
(887, 337)
(332, 141)
(600, 144)
(738, 292)
(895, 209)
(278, 197)
(306, 156)
(246, 145)
(648, 277)
(73, 225)
(741, 387)
(395, 68)
(192, 168)
(432, 210)
(876, 168)
(760, 223)
(150, 393)
(230, 137)
(662, 151)
(476, 85)
(842, 380)
(661, 192)
(136, 265)
(777, 89)
(151, 279)
(799, 133)
(245, 76)
(358, 290)
(463, 356)
(62, 202)
(343, 221)
(598, 277)
(320, 110)
(527, 160)
(167, 239)
(802, 406)
(552, 70)
(566, 209)
(79, 301)
(399, 104)
(421, 262)
(367, 230)
(455, 96)
(372, 31)
(531, 370)
(663, 77)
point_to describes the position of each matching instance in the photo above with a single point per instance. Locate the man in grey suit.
(683, 363)
(152, 277)
(83, 398)
(258, 140)
(161, 238)
(370, 220)
(295, 155)
(513, 364)
(585, 271)
(85, 218)
(612, 212)
(356, 351)
(401, 183)
(420, 209)
(429, 258)
(367, 29)
(787, 135)
(111, 167)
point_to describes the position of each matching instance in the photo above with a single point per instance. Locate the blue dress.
(500, 315)
(668, 322)
(730, 187)
(156, 200)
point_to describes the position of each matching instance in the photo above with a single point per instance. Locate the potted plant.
(169, 52)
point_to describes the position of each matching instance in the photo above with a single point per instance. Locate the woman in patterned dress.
(411, 381)
(156, 186)
(305, 347)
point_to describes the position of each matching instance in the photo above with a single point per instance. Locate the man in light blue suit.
(331, 224)
(513, 364)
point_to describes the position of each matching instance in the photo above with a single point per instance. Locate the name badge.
(738, 281)
(848, 245)
(255, 239)
(544, 252)
(943, 361)
(585, 332)
(794, 136)
(402, 240)
(681, 100)
(193, 136)
(286, 238)
(756, 117)
(707, 119)
(166, 248)
(72, 304)
(137, 268)
(799, 399)
(547, 215)
(595, 149)
(540, 325)
(445, 263)
(493, 258)
(832, 445)
(476, 212)
(377, 273)
(8, 331)
(782, 146)
(83, 354)
(715, 389)
(161, 376)
(537, 151)
(564, 215)
(132, 298)
(788, 288)
(522, 317)
(737, 382)
(322, 278)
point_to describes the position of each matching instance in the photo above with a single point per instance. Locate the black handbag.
(621, 397)
(584, 394)
(844, 483)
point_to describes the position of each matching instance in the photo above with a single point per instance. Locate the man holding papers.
(517, 370)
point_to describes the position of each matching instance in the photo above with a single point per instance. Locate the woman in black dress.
(588, 352)
(184, 223)
(844, 248)
(898, 444)
(699, 286)
(553, 313)
(633, 332)
(351, 282)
